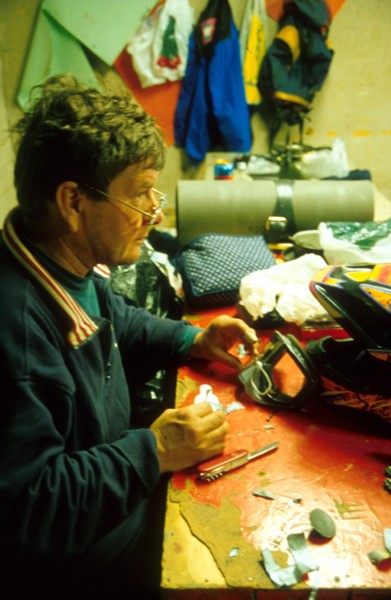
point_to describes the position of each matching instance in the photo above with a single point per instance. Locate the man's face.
(114, 233)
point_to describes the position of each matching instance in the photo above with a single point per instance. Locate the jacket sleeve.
(229, 104)
(185, 99)
(71, 469)
(56, 502)
(148, 341)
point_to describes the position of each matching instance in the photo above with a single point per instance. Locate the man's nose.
(159, 218)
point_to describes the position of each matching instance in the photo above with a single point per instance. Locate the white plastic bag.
(345, 252)
(284, 287)
(318, 164)
(165, 31)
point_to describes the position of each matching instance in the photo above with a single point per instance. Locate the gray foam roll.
(242, 207)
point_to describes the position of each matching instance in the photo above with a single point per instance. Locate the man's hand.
(189, 435)
(214, 342)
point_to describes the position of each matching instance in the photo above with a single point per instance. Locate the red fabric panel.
(159, 100)
(274, 7)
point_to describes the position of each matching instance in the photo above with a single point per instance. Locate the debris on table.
(380, 554)
(322, 523)
(273, 496)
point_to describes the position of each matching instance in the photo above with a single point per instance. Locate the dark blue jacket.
(296, 62)
(212, 109)
(74, 476)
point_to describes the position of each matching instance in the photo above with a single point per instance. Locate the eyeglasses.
(158, 197)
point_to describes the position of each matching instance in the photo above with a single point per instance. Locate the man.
(75, 476)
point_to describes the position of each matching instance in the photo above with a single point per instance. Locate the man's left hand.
(214, 342)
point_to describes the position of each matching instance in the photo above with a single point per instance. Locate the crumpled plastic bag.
(285, 288)
(159, 47)
(325, 162)
(351, 243)
(151, 282)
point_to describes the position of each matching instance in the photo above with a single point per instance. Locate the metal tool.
(217, 467)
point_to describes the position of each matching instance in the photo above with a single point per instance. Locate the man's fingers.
(250, 336)
(214, 422)
(203, 423)
(198, 410)
(207, 418)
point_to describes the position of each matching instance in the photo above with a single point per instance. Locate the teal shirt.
(82, 289)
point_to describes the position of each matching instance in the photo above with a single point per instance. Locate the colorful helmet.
(351, 373)
(350, 377)
(359, 299)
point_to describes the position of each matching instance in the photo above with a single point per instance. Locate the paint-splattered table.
(328, 458)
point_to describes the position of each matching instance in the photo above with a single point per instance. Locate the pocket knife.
(219, 466)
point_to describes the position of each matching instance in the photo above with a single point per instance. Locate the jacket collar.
(82, 327)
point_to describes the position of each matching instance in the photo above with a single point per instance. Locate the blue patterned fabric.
(213, 264)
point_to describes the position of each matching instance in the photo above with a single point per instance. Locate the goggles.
(282, 376)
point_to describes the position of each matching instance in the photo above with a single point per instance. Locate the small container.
(223, 169)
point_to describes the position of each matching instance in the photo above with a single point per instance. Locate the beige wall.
(353, 103)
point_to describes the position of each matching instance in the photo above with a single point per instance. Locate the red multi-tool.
(219, 466)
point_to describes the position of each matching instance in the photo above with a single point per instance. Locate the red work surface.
(330, 458)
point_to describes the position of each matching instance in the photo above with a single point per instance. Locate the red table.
(330, 459)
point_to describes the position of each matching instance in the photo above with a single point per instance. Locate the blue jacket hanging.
(212, 110)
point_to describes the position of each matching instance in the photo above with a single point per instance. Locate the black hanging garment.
(297, 62)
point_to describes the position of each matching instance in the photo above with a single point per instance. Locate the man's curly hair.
(73, 133)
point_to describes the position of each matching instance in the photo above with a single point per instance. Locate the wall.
(352, 104)
(17, 18)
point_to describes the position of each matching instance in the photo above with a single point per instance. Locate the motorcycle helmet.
(356, 372)
(351, 377)
(359, 299)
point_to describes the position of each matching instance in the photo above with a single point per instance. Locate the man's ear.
(69, 202)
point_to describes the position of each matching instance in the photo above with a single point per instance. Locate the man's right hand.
(189, 435)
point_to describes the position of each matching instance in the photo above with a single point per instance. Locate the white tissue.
(205, 394)
(285, 288)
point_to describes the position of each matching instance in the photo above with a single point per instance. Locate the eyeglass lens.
(159, 197)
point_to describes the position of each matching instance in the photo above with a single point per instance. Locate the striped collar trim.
(102, 270)
(82, 326)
